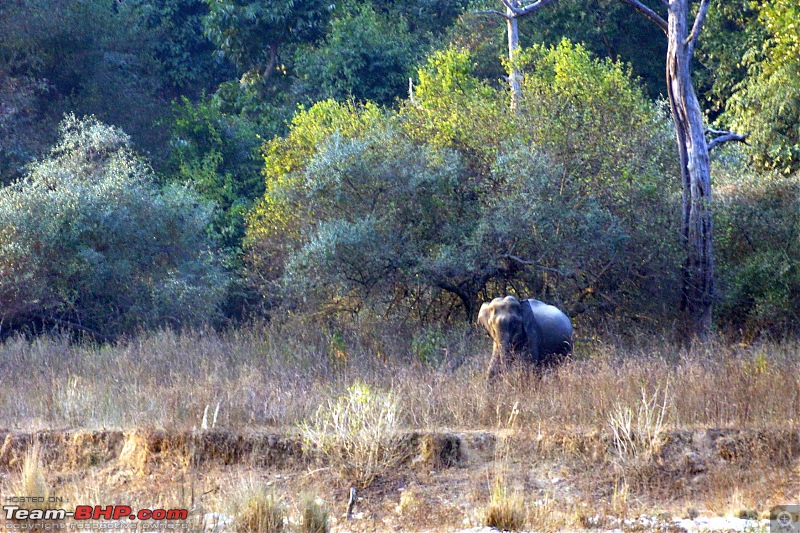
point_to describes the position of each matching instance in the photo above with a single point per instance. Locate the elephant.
(527, 331)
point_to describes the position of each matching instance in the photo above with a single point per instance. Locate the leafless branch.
(724, 136)
(492, 12)
(524, 10)
(649, 13)
(536, 265)
(691, 40)
(76, 327)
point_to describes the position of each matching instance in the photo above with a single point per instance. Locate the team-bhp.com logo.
(97, 512)
(17, 517)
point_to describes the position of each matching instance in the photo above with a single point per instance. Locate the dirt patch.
(564, 477)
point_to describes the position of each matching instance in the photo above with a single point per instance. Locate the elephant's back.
(555, 327)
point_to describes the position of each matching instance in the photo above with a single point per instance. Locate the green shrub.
(90, 244)
(757, 221)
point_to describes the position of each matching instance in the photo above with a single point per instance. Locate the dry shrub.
(505, 512)
(32, 483)
(32, 478)
(315, 516)
(257, 509)
(357, 434)
(638, 432)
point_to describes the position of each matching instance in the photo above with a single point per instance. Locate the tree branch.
(72, 325)
(691, 40)
(536, 265)
(649, 13)
(493, 12)
(724, 136)
(522, 11)
(273, 60)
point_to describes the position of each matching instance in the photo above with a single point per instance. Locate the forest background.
(176, 163)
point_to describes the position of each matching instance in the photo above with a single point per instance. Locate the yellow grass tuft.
(257, 509)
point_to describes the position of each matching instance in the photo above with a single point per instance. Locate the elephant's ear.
(532, 330)
(483, 315)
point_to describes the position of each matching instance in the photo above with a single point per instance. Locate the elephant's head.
(513, 330)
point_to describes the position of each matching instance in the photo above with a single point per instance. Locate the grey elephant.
(527, 331)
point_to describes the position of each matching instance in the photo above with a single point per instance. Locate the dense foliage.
(90, 244)
(758, 223)
(450, 198)
(275, 157)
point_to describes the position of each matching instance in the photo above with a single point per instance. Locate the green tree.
(454, 109)
(88, 57)
(260, 38)
(186, 57)
(274, 226)
(89, 243)
(733, 28)
(446, 201)
(766, 103)
(363, 56)
(219, 155)
(589, 151)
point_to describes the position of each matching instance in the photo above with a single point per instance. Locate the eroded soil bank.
(564, 479)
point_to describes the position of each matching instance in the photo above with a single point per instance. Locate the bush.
(505, 512)
(757, 221)
(258, 509)
(381, 205)
(357, 434)
(90, 244)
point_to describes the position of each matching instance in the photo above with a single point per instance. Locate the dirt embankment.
(571, 475)
(142, 449)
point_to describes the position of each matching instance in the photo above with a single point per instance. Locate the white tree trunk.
(696, 223)
(697, 274)
(514, 74)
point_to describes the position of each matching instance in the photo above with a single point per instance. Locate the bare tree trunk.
(697, 294)
(696, 230)
(515, 10)
(514, 74)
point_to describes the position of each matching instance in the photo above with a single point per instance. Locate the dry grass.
(257, 509)
(315, 516)
(32, 477)
(277, 377)
(657, 398)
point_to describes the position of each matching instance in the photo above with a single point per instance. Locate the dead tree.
(697, 295)
(514, 11)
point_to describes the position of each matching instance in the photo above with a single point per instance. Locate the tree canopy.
(246, 156)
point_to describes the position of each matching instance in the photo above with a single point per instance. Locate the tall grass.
(277, 376)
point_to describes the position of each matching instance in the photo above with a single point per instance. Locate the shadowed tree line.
(276, 158)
